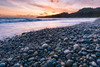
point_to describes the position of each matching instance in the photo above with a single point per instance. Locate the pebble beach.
(73, 46)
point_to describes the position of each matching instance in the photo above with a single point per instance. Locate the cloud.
(54, 1)
(48, 8)
(83, 3)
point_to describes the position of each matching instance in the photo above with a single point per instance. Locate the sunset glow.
(43, 7)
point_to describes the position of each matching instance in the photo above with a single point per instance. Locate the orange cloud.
(54, 1)
(48, 9)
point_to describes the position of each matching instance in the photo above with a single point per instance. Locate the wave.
(13, 20)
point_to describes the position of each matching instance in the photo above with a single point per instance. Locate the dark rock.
(2, 65)
(69, 62)
(66, 52)
(75, 65)
(69, 56)
(76, 47)
(98, 54)
(55, 56)
(93, 64)
(58, 65)
(84, 53)
(51, 63)
(98, 61)
(45, 45)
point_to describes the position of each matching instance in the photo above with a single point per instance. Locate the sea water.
(10, 27)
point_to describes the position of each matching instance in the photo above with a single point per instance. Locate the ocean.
(10, 27)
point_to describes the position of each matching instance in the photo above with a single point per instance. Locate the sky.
(43, 7)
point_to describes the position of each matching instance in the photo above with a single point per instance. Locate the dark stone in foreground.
(74, 46)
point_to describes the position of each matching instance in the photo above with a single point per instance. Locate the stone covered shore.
(74, 46)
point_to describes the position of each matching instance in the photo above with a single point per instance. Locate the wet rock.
(43, 59)
(52, 53)
(62, 64)
(9, 59)
(45, 45)
(98, 54)
(75, 65)
(66, 51)
(17, 65)
(66, 39)
(85, 65)
(76, 47)
(87, 41)
(69, 62)
(25, 49)
(97, 49)
(98, 61)
(84, 49)
(31, 59)
(2, 65)
(30, 51)
(84, 53)
(55, 56)
(51, 63)
(69, 56)
(91, 59)
(58, 65)
(89, 51)
(93, 63)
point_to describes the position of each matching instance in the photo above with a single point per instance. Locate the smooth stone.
(36, 64)
(75, 55)
(93, 63)
(59, 65)
(89, 51)
(25, 49)
(97, 49)
(91, 59)
(52, 60)
(94, 56)
(51, 63)
(45, 45)
(66, 51)
(76, 47)
(69, 62)
(30, 51)
(84, 49)
(66, 39)
(2, 64)
(47, 41)
(84, 53)
(9, 59)
(45, 65)
(52, 53)
(87, 41)
(49, 48)
(85, 31)
(69, 56)
(30, 59)
(85, 65)
(98, 54)
(80, 65)
(55, 56)
(98, 61)
(43, 59)
(62, 64)
(75, 65)
(16, 65)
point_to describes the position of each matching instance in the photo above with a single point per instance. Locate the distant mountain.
(85, 12)
(64, 14)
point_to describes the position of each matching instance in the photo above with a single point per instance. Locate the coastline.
(64, 46)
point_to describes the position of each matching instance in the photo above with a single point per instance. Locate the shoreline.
(73, 46)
